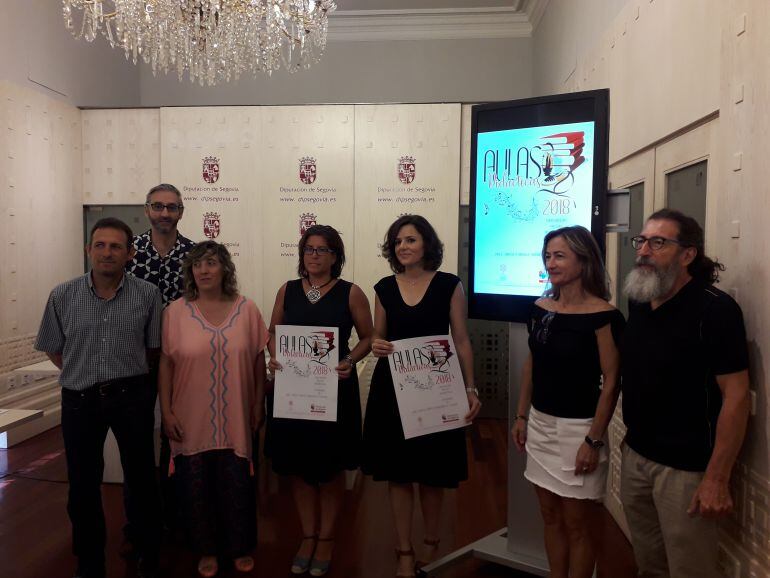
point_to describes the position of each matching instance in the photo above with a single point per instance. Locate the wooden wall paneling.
(121, 155)
(42, 218)
(9, 214)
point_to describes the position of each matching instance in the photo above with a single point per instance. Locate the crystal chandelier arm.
(212, 40)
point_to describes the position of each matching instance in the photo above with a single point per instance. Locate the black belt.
(110, 387)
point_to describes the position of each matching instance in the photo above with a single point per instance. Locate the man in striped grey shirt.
(99, 329)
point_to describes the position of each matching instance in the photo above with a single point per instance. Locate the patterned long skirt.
(217, 502)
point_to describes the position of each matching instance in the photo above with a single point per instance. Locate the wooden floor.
(35, 530)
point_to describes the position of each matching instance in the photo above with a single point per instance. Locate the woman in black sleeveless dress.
(316, 453)
(418, 300)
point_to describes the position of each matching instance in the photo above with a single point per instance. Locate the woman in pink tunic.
(211, 381)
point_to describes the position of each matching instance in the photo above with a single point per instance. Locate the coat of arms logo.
(406, 169)
(211, 169)
(307, 170)
(306, 220)
(211, 225)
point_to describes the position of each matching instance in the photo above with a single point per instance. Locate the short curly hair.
(200, 252)
(433, 248)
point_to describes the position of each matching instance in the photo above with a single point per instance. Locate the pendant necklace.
(314, 293)
(411, 282)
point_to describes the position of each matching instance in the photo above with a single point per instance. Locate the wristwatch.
(472, 390)
(595, 444)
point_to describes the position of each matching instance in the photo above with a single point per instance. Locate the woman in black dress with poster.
(316, 453)
(417, 301)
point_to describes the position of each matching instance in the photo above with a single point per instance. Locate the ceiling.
(424, 4)
(369, 20)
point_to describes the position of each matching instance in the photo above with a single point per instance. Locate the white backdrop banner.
(211, 154)
(407, 161)
(254, 178)
(308, 155)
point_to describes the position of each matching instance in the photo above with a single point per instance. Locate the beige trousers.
(667, 542)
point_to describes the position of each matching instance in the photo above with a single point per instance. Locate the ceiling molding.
(535, 10)
(434, 24)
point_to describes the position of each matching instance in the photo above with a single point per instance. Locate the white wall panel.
(465, 156)
(41, 231)
(477, 70)
(121, 155)
(230, 204)
(430, 135)
(43, 56)
(323, 136)
(660, 61)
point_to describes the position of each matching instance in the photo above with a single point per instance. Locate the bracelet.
(349, 359)
(472, 390)
(524, 417)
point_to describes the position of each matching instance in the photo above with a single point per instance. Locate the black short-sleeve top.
(671, 357)
(566, 371)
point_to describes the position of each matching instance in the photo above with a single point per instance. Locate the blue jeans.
(126, 406)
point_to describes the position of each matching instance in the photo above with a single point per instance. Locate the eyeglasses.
(170, 207)
(655, 243)
(541, 335)
(320, 251)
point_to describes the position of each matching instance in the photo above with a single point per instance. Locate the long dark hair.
(332, 238)
(200, 252)
(690, 234)
(433, 248)
(593, 277)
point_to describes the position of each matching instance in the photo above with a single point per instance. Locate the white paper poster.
(306, 387)
(429, 385)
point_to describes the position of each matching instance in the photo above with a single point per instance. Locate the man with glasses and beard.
(159, 254)
(685, 386)
(161, 250)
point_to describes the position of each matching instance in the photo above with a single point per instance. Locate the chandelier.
(211, 40)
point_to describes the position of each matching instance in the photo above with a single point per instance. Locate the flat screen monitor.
(537, 165)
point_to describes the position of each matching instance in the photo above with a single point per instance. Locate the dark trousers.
(126, 407)
(217, 502)
(167, 486)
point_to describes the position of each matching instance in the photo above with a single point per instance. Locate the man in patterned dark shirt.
(158, 259)
(99, 329)
(161, 250)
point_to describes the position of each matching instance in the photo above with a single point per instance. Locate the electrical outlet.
(25, 378)
(11, 381)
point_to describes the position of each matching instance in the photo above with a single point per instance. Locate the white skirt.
(552, 446)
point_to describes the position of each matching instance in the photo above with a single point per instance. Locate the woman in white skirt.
(568, 395)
